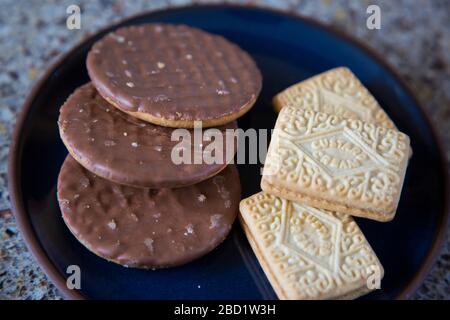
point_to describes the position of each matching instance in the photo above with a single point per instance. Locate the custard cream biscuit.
(309, 253)
(343, 165)
(337, 91)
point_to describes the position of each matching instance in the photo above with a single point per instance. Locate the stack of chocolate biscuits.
(123, 192)
(334, 154)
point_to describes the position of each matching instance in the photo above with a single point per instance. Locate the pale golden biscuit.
(337, 91)
(309, 253)
(187, 123)
(337, 164)
(320, 203)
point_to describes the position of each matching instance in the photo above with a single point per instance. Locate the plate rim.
(16, 196)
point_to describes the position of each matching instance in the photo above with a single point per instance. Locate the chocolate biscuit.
(173, 75)
(145, 228)
(130, 151)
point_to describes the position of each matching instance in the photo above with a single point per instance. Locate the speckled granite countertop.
(414, 38)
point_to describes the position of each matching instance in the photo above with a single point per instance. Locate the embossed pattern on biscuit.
(346, 163)
(309, 253)
(337, 91)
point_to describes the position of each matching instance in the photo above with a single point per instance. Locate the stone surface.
(33, 34)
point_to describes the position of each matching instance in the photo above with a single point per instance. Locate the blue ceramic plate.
(287, 49)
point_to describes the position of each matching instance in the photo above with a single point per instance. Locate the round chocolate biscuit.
(147, 228)
(126, 150)
(173, 75)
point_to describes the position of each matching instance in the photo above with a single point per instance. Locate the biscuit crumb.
(157, 215)
(112, 224)
(128, 74)
(109, 143)
(161, 97)
(134, 144)
(125, 134)
(120, 39)
(149, 244)
(233, 79)
(214, 221)
(227, 203)
(85, 182)
(109, 74)
(158, 148)
(201, 197)
(125, 62)
(189, 229)
(161, 65)
(222, 92)
(135, 217)
(219, 181)
(130, 84)
(189, 56)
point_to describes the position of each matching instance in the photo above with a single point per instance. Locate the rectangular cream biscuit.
(337, 91)
(343, 165)
(309, 253)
